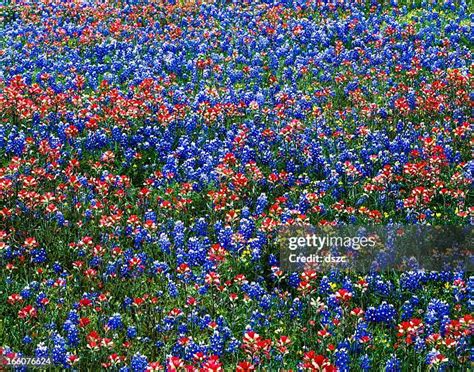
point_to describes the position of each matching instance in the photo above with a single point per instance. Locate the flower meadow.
(150, 151)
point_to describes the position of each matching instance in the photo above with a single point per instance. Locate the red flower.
(313, 362)
(245, 367)
(27, 311)
(174, 363)
(343, 295)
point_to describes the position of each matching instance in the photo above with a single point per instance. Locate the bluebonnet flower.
(139, 362)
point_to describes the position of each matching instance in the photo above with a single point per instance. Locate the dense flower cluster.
(150, 151)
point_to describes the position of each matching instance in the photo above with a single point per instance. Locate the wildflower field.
(151, 151)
